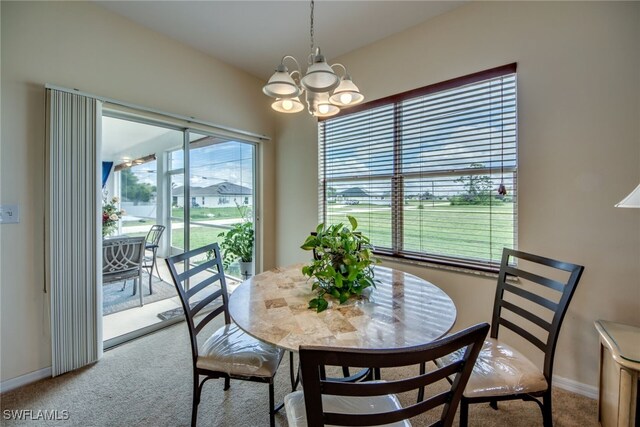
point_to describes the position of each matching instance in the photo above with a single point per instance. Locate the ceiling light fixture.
(325, 92)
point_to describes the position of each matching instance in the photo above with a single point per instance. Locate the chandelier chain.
(311, 26)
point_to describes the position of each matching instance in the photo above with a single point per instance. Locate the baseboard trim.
(576, 387)
(25, 379)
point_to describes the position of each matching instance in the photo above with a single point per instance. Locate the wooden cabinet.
(619, 368)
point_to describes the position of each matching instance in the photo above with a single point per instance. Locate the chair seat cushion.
(232, 351)
(297, 415)
(499, 371)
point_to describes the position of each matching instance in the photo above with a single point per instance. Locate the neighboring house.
(353, 196)
(224, 194)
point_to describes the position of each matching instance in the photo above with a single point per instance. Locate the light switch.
(9, 214)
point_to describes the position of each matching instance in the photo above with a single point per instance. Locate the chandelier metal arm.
(294, 60)
(344, 69)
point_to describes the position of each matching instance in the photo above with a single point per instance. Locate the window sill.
(439, 266)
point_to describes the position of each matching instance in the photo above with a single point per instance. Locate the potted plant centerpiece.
(343, 263)
(237, 244)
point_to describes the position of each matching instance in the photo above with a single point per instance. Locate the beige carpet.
(147, 382)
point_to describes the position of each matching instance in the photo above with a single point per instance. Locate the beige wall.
(79, 45)
(579, 148)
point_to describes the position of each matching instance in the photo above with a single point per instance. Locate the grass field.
(437, 227)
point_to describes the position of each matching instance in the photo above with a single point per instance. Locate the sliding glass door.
(197, 197)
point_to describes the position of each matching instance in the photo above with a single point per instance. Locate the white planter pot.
(246, 269)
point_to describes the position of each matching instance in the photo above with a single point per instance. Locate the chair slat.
(525, 334)
(203, 284)
(526, 314)
(386, 417)
(544, 281)
(341, 388)
(531, 296)
(205, 301)
(192, 271)
(208, 318)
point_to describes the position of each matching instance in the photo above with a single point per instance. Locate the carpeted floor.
(147, 382)
(114, 299)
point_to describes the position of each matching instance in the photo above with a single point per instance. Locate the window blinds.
(421, 172)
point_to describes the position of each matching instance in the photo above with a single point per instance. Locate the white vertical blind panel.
(74, 195)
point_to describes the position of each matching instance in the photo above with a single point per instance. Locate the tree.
(477, 188)
(132, 189)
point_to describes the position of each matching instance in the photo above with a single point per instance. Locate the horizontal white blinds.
(422, 174)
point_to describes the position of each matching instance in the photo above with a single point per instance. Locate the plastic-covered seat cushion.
(232, 351)
(297, 416)
(500, 370)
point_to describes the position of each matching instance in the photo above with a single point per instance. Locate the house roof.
(216, 190)
(353, 192)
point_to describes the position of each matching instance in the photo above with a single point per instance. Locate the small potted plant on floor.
(343, 263)
(237, 244)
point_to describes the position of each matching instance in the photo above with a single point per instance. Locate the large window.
(429, 174)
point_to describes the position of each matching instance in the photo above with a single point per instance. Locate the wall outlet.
(9, 214)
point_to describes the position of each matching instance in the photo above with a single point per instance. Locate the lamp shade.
(281, 85)
(288, 105)
(320, 76)
(632, 200)
(322, 106)
(346, 94)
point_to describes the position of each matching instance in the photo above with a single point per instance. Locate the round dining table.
(403, 310)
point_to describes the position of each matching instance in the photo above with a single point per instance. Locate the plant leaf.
(353, 221)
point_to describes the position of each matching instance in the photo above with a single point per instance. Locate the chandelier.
(325, 92)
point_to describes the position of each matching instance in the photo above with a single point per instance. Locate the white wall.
(80, 45)
(579, 148)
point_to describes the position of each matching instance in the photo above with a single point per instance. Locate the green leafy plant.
(237, 242)
(343, 263)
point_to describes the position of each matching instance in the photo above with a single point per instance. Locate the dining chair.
(229, 352)
(122, 259)
(152, 244)
(531, 300)
(330, 401)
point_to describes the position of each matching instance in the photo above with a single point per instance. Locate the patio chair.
(228, 353)
(152, 244)
(540, 300)
(327, 401)
(122, 259)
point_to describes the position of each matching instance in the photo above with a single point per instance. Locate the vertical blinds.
(422, 172)
(73, 230)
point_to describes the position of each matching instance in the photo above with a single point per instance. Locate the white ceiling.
(254, 35)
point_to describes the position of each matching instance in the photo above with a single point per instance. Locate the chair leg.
(227, 383)
(494, 404)
(151, 277)
(124, 285)
(295, 379)
(547, 418)
(464, 412)
(272, 404)
(196, 399)
(156, 264)
(135, 286)
(423, 369)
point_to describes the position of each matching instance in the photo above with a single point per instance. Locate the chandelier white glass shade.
(325, 92)
(287, 105)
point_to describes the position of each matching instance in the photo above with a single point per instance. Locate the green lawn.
(437, 228)
(208, 213)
